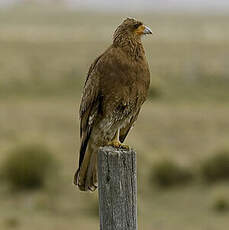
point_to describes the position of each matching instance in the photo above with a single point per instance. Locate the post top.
(113, 150)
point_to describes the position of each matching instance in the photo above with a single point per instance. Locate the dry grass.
(43, 60)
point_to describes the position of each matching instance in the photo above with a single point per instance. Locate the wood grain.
(117, 189)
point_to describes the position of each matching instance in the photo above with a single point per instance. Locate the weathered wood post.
(117, 189)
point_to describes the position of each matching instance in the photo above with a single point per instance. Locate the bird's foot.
(117, 144)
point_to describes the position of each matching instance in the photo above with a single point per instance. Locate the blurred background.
(182, 134)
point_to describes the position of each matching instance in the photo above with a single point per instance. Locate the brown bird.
(115, 89)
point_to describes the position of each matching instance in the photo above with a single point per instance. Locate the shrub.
(167, 174)
(221, 204)
(12, 222)
(154, 92)
(216, 168)
(27, 167)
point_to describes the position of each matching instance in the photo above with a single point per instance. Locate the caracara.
(115, 89)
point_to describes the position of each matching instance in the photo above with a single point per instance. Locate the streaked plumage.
(114, 91)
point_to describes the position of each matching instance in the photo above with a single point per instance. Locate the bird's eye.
(136, 25)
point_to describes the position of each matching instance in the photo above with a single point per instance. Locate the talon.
(114, 143)
(127, 147)
(117, 144)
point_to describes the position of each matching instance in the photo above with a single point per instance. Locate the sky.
(140, 5)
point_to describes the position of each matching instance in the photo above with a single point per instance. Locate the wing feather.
(88, 108)
(125, 130)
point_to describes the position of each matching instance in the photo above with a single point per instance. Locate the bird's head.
(131, 28)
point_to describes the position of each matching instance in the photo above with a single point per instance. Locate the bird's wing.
(125, 130)
(88, 108)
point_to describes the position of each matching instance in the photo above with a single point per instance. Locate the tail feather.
(86, 175)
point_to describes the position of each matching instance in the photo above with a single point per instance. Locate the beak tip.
(147, 30)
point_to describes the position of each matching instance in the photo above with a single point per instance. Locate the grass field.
(44, 57)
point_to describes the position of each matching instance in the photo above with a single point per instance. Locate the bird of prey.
(115, 89)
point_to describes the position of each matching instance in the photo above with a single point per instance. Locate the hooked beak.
(147, 30)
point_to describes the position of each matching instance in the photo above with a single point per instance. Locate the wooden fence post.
(117, 189)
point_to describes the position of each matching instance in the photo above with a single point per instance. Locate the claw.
(117, 144)
(127, 147)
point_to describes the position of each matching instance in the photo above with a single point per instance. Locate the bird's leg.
(116, 143)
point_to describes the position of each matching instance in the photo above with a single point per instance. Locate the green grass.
(45, 55)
